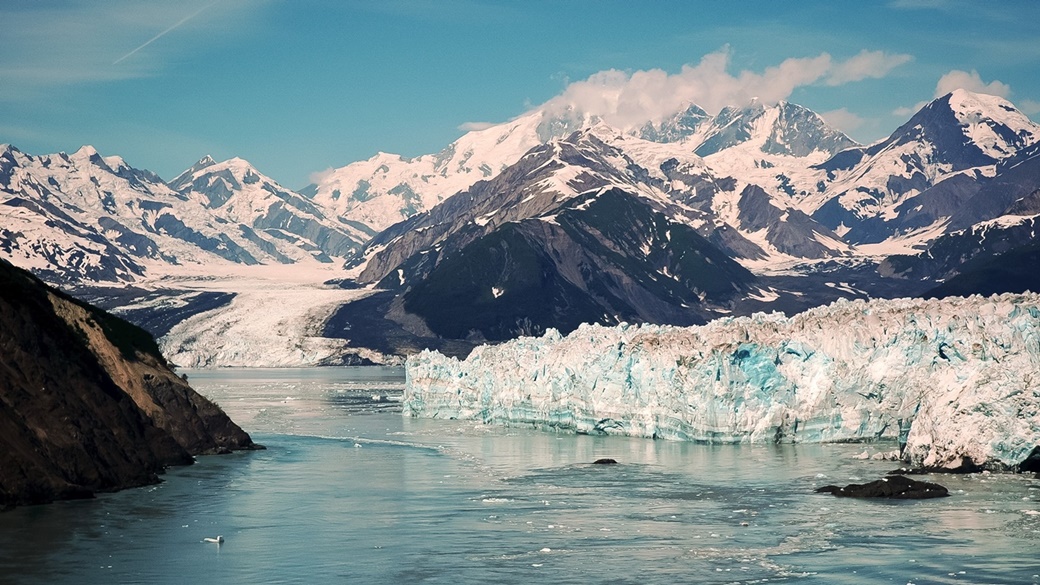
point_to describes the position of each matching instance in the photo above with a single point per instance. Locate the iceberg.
(955, 381)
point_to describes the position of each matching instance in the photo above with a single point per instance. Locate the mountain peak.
(87, 155)
(783, 129)
(85, 151)
(961, 95)
(683, 124)
(240, 164)
(185, 178)
(971, 107)
(969, 129)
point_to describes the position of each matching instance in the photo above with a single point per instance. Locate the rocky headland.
(88, 403)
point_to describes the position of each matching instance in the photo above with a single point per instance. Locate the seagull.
(217, 540)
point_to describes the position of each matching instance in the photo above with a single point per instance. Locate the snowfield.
(956, 380)
(274, 320)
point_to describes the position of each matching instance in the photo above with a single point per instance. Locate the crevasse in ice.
(953, 379)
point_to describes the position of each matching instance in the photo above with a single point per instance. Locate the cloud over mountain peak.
(630, 99)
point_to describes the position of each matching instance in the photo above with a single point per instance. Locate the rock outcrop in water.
(894, 487)
(953, 380)
(87, 402)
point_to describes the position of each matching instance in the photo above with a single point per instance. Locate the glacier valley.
(952, 380)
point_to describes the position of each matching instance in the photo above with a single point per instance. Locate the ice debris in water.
(953, 379)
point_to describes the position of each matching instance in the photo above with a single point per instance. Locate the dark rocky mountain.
(545, 179)
(572, 233)
(87, 402)
(1014, 271)
(604, 257)
(997, 215)
(790, 231)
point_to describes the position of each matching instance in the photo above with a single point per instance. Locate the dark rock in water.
(895, 487)
(606, 461)
(966, 466)
(1032, 462)
(87, 402)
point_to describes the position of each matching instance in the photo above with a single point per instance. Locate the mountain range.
(551, 220)
(82, 217)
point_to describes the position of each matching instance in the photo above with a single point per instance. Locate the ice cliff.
(957, 380)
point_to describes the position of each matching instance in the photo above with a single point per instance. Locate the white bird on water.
(217, 540)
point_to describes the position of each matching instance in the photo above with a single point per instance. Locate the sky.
(300, 86)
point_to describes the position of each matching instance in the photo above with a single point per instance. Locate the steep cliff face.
(87, 402)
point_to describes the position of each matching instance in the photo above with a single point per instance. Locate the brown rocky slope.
(87, 402)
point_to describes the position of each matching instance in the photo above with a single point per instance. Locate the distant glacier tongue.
(957, 380)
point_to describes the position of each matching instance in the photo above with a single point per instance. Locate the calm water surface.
(349, 491)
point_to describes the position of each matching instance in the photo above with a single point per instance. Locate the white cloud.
(1029, 107)
(970, 81)
(867, 64)
(907, 111)
(626, 99)
(471, 126)
(919, 4)
(842, 119)
(957, 79)
(163, 33)
(318, 177)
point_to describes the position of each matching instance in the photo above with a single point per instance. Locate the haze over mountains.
(554, 219)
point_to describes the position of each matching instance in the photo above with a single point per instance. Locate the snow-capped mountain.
(659, 222)
(578, 231)
(782, 129)
(388, 188)
(750, 198)
(740, 217)
(962, 133)
(84, 218)
(948, 380)
(60, 215)
(295, 228)
(547, 177)
(758, 224)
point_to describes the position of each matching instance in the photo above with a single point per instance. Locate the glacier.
(955, 381)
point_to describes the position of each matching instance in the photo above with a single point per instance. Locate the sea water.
(349, 491)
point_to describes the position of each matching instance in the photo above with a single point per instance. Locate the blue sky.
(297, 86)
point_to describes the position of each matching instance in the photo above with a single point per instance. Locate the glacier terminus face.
(955, 381)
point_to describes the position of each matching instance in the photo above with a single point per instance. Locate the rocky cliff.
(87, 402)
